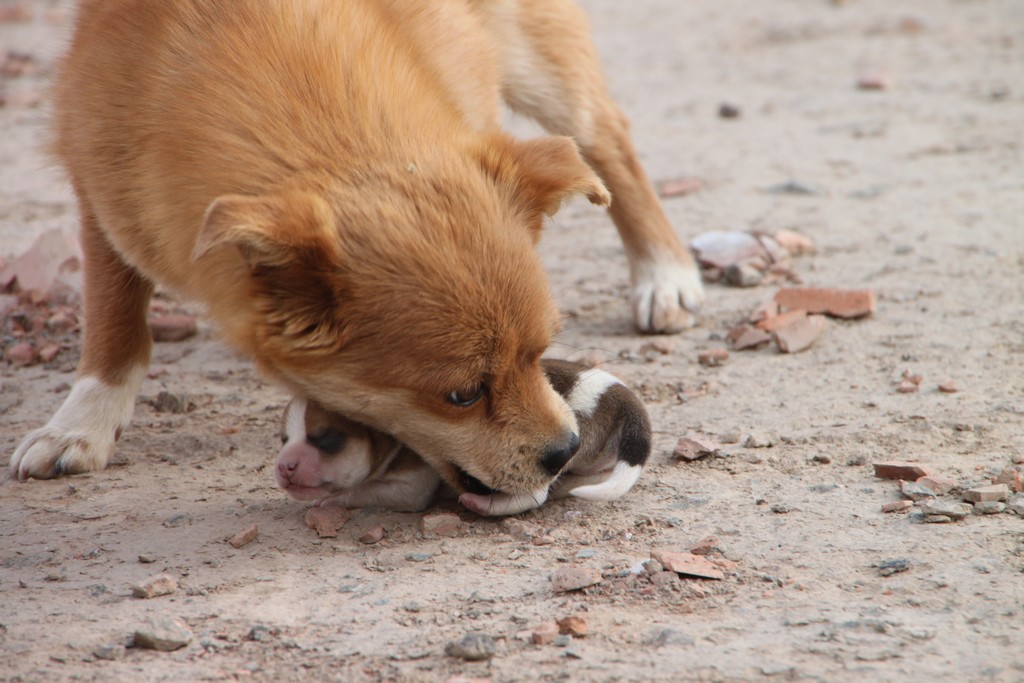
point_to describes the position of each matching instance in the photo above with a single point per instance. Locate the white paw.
(48, 453)
(80, 436)
(666, 295)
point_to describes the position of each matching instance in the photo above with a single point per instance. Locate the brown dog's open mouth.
(473, 485)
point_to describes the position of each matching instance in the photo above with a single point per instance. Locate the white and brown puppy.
(330, 458)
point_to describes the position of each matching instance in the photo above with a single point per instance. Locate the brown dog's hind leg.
(551, 72)
(115, 353)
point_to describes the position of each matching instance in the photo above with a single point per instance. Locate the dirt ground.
(918, 193)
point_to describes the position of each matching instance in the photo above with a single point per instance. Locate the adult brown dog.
(330, 180)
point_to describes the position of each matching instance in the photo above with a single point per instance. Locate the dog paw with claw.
(666, 296)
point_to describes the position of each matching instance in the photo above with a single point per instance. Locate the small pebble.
(948, 388)
(897, 506)
(162, 633)
(890, 567)
(245, 536)
(954, 511)
(915, 491)
(374, 535)
(574, 578)
(983, 494)
(728, 111)
(545, 633)
(110, 653)
(440, 524)
(172, 328)
(712, 358)
(154, 586)
(474, 647)
(989, 507)
(147, 559)
(574, 625)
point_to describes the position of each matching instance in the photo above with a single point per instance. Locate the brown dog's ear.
(268, 230)
(542, 173)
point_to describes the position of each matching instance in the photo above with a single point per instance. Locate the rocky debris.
(473, 647)
(728, 111)
(656, 347)
(905, 471)
(989, 507)
(574, 625)
(1016, 504)
(897, 506)
(53, 256)
(838, 303)
(110, 653)
(544, 634)
(706, 545)
(915, 491)
(567, 579)
(795, 243)
(746, 259)
(165, 634)
(938, 483)
(890, 567)
(517, 528)
(985, 494)
(155, 586)
(176, 404)
(374, 535)
(907, 387)
(21, 355)
(747, 337)
(327, 519)
(742, 275)
(800, 334)
(687, 564)
(440, 524)
(147, 558)
(712, 358)
(874, 80)
(761, 439)
(663, 637)
(939, 508)
(770, 323)
(694, 446)
(1011, 478)
(245, 536)
(679, 187)
(948, 387)
(797, 187)
(172, 327)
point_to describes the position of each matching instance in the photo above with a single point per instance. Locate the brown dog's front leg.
(81, 434)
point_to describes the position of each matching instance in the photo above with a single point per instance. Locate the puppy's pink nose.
(287, 467)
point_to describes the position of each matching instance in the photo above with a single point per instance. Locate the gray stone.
(1016, 504)
(989, 507)
(761, 439)
(955, 511)
(915, 491)
(162, 633)
(474, 647)
(109, 652)
(890, 567)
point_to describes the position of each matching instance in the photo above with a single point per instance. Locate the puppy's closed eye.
(330, 441)
(464, 398)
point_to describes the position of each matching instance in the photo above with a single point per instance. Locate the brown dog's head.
(407, 294)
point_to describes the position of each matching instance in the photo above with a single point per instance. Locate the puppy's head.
(410, 297)
(323, 453)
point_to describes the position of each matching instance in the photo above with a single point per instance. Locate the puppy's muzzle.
(559, 453)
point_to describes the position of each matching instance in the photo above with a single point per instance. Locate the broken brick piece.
(840, 303)
(747, 337)
(897, 506)
(692, 447)
(907, 471)
(800, 334)
(987, 494)
(712, 357)
(327, 519)
(245, 536)
(781, 320)
(688, 564)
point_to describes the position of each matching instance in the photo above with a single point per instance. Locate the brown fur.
(330, 180)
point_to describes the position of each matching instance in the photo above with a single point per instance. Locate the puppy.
(329, 179)
(328, 457)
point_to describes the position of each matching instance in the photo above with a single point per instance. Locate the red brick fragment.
(781, 320)
(712, 357)
(327, 519)
(747, 337)
(800, 334)
(21, 354)
(705, 545)
(575, 626)
(948, 388)
(48, 352)
(374, 535)
(245, 536)
(694, 446)
(793, 242)
(1013, 479)
(440, 524)
(898, 506)
(840, 303)
(907, 387)
(906, 471)
(688, 564)
(938, 483)
(679, 187)
(544, 634)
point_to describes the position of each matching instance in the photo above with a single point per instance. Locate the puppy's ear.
(541, 174)
(268, 231)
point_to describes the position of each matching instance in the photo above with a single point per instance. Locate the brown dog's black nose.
(559, 454)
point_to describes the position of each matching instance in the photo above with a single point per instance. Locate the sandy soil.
(921, 198)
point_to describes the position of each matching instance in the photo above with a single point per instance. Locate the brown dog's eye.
(464, 398)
